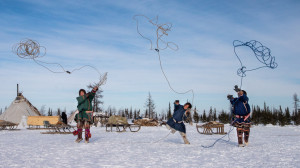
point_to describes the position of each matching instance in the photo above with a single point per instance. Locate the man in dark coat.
(64, 118)
(241, 120)
(176, 123)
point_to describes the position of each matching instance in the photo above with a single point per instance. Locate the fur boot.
(184, 138)
(79, 138)
(239, 130)
(246, 133)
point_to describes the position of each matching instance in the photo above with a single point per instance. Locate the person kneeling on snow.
(175, 123)
(84, 117)
(241, 120)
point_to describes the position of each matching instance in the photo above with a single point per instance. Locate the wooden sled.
(5, 125)
(211, 128)
(122, 127)
(59, 129)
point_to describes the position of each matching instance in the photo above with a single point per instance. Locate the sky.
(103, 34)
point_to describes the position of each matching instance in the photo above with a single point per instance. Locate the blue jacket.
(179, 112)
(178, 116)
(240, 105)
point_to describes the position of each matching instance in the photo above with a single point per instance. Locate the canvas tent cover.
(19, 107)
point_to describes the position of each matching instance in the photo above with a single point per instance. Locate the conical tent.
(19, 107)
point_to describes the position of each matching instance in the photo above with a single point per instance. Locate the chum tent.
(72, 117)
(19, 107)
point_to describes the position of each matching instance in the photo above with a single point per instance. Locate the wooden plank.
(38, 120)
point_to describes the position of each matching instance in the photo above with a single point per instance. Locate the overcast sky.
(103, 34)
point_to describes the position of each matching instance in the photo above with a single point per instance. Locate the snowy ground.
(270, 146)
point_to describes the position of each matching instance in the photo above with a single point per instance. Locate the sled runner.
(59, 129)
(208, 128)
(122, 127)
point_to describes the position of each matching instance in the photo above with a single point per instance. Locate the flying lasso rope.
(161, 31)
(261, 52)
(31, 49)
(209, 146)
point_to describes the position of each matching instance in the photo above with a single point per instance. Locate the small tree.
(50, 112)
(224, 117)
(204, 118)
(296, 100)
(281, 117)
(110, 112)
(130, 113)
(146, 113)
(215, 115)
(134, 114)
(196, 115)
(149, 104)
(296, 117)
(275, 117)
(169, 112)
(126, 113)
(97, 99)
(288, 116)
(58, 112)
(210, 115)
(43, 110)
(139, 113)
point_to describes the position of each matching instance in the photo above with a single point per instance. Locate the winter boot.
(246, 134)
(239, 130)
(184, 138)
(241, 145)
(168, 127)
(87, 135)
(79, 136)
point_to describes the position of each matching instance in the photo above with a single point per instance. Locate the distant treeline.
(265, 115)
(259, 115)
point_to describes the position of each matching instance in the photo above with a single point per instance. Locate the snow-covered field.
(270, 146)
